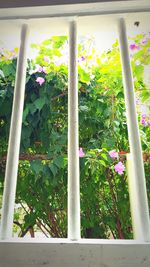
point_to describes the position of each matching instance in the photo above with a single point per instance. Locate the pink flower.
(144, 116)
(82, 58)
(113, 154)
(143, 122)
(44, 70)
(81, 152)
(39, 68)
(40, 80)
(144, 41)
(14, 55)
(134, 46)
(119, 168)
(47, 59)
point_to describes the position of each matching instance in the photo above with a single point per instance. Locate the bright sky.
(105, 35)
(10, 40)
(41, 29)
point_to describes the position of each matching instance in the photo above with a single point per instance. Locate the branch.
(58, 96)
(146, 156)
(23, 233)
(115, 206)
(30, 157)
(39, 224)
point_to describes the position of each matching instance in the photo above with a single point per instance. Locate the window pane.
(105, 211)
(139, 39)
(41, 198)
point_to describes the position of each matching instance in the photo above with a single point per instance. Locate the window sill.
(30, 252)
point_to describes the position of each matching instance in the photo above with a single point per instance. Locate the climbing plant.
(41, 197)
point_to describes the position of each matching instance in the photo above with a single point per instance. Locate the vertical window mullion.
(14, 139)
(138, 202)
(73, 143)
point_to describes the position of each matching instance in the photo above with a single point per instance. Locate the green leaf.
(84, 108)
(36, 166)
(32, 108)
(9, 70)
(104, 156)
(107, 123)
(39, 103)
(117, 123)
(84, 77)
(47, 42)
(2, 74)
(102, 162)
(25, 113)
(53, 168)
(100, 100)
(59, 162)
(3, 94)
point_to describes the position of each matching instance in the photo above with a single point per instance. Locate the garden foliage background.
(41, 197)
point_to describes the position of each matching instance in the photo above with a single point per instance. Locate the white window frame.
(139, 204)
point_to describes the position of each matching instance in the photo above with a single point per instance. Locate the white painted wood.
(73, 143)
(14, 140)
(18, 3)
(139, 198)
(87, 253)
(133, 195)
(111, 7)
(46, 27)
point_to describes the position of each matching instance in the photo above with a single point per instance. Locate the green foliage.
(42, 176)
